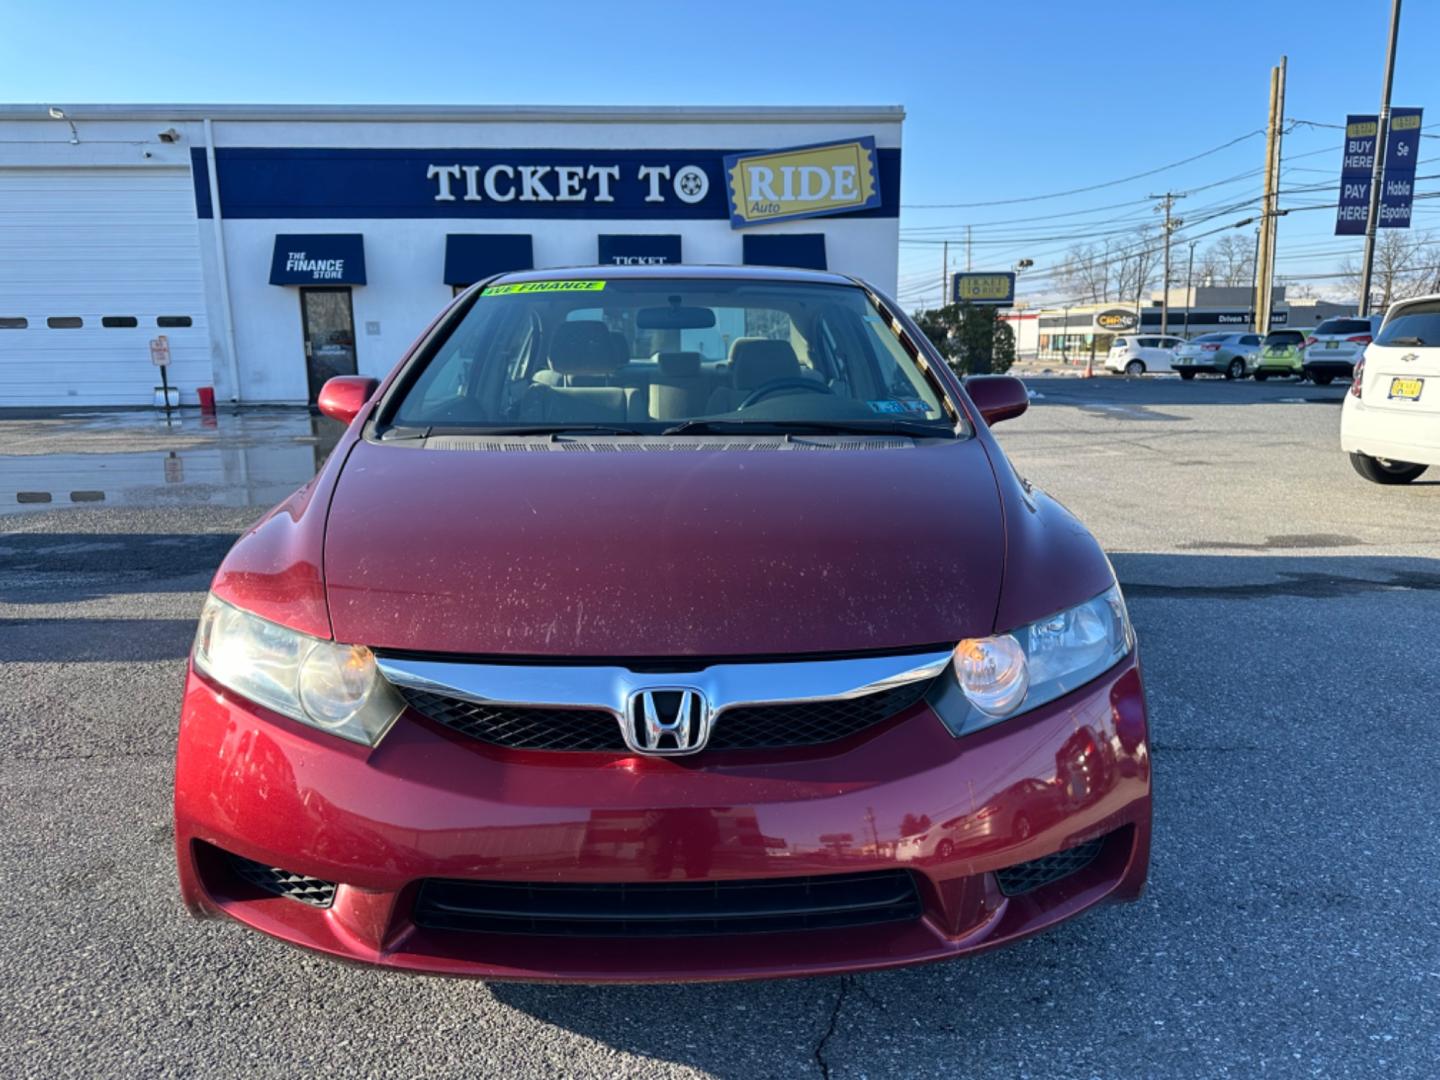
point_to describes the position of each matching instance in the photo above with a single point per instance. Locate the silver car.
(1232, 355)
(1331, 352)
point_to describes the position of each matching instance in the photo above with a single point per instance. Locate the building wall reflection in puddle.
(247, 458)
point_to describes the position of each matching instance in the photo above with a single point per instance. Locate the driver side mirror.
(998, 397)
(342, 397)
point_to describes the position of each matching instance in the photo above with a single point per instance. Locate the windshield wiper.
(936, 429)
(540, 429)
(400, 433)
(1412, 341)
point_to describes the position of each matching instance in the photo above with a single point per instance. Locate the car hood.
(663, 552)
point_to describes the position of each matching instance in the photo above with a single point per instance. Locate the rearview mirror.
(998, 397)
(342, 397)
(674, 318)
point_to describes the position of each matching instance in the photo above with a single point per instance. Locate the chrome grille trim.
(726, 686)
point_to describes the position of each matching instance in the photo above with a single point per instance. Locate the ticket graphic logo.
(802, 182)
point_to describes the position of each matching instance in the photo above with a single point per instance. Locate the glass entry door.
(329, 328)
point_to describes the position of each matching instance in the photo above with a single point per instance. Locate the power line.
(1091, 187)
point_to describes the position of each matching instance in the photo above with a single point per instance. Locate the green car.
(1281, 353)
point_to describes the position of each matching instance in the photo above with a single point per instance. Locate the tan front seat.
(753, 363)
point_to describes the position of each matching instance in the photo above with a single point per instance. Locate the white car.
(1331, 351)
(1390, 424)
(1135, 355)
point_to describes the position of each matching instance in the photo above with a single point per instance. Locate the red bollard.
(207, 399)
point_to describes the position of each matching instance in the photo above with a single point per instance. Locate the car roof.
(678, 270)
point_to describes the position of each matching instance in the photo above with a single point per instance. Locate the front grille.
(521, 728)
(669, 909)
(750, 727)
(1028, 876)
(273, 879)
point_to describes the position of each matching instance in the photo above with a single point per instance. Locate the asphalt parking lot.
(1288, 613)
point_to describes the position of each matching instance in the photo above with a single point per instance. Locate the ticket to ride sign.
(994, 288)
(802, 182)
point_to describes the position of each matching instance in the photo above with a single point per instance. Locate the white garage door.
(93, 264)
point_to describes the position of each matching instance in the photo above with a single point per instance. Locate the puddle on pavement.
(252, 457)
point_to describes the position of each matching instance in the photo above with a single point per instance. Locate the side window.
(1250, 339)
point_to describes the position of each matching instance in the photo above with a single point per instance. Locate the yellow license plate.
(1406, 389)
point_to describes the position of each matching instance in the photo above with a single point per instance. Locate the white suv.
(1139, 354)
(1390, 425)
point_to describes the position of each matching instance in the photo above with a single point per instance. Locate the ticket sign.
(802, 182)
(160, 351)
(996, 288)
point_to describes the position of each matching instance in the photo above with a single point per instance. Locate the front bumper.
(428, 803)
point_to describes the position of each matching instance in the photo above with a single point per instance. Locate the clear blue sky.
(1004, 100)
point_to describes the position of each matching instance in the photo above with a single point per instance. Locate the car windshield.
(650, 355)
(1417, 324)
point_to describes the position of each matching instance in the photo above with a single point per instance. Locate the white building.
(274, 245)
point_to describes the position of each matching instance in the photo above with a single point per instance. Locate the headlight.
(326, 685)
(1001, 676)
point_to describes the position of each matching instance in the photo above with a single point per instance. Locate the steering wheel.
(788, 382)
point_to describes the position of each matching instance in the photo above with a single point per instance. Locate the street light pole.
(1377, 170)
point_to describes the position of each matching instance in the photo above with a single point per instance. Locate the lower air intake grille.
(273, 879)
(750, 727)
(669, 909)
(1027, 876)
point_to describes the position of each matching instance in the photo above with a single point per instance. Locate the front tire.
(1384, 471)
(1187, 375)
(1135, 367)
(1236, 370)
(1322, 380)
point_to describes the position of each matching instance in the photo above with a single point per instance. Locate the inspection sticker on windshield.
(543, 287)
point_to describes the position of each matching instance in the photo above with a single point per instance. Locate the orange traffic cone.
(1089, 367)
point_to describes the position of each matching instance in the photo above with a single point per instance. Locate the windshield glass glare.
(649, 354)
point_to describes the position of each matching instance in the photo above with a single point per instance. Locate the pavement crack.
(840, 996)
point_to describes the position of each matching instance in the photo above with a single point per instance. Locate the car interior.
(664, 358)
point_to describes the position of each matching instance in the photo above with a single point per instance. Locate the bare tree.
(1085, 273)
(1229, 261)
(1405, 265)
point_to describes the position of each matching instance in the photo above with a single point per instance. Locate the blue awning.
(318, 259)
(472, 257)
(638, 250)
(803, 250)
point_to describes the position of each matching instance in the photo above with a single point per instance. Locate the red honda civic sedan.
(663, 623)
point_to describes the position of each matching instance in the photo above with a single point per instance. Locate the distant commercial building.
(1053, 332)
(276, 245)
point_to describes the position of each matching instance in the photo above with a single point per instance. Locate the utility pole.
(968, 267)
(1167, 203)
(944, 272)
(1265, 252)
(1189, 287)
(1378, 170)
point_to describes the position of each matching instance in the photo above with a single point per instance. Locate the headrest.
(679, 364)
(583, 348)
(756, 361)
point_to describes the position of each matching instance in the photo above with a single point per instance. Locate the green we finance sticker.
(542, 287)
